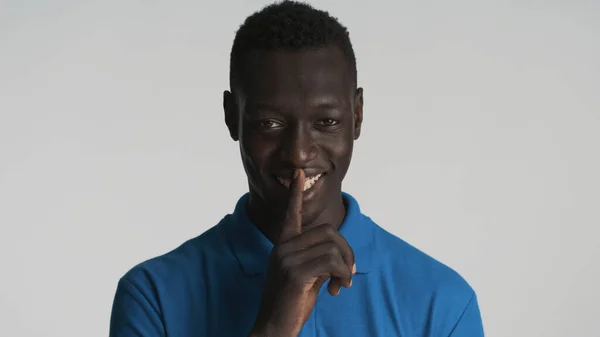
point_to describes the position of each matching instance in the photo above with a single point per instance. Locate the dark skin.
(296, 116)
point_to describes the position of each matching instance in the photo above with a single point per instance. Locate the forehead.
(297, 75)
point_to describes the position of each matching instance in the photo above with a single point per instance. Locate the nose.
(298, 148)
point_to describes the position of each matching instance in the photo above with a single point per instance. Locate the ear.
(231, 114)
(358, 112)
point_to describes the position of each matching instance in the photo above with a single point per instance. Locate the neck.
(268, 217)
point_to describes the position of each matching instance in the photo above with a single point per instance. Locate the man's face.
(297, 109)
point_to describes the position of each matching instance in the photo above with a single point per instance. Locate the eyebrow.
(324, 102)
(326, 105)
(263, 106)
(327, 102)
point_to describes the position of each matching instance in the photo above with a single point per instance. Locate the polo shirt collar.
(252, 248)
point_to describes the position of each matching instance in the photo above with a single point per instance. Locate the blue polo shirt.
(211, 286)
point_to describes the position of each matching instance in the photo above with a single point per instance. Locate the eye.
(269, 124)
(328, 122)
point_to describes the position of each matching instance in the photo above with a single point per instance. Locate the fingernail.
(354, 268)
(350, 284)
(338, 292)
(296, 173)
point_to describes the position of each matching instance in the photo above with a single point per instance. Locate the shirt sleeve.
(134, 314)
(470, 323)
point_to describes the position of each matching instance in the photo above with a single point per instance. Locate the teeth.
(308, 183)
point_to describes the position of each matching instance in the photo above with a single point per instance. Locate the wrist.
(269, 331)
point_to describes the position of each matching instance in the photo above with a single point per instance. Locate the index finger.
(292, 225)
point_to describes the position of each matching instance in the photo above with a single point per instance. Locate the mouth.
(309, 182)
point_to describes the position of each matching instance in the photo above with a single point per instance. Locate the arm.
(469, 324)
(133, 315)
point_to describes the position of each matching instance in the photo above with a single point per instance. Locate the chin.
(310, 218)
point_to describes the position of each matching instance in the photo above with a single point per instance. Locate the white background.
(113, 148)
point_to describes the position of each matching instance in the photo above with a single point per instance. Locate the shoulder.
(180, 263)
(156, 290)
(405, 260)
(427, 286)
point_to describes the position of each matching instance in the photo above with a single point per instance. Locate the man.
(296, 257)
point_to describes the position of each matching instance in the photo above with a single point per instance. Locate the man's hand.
(301, 262)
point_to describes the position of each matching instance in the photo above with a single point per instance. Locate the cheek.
(338, 146)
(339, 152)
(255, 154)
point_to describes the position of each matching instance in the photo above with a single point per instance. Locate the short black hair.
(288, 25)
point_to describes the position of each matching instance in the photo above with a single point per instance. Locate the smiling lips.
(308, 183)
